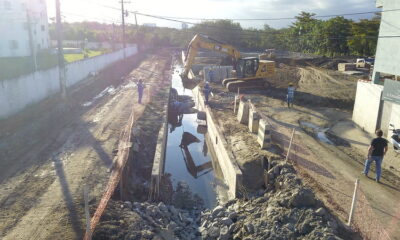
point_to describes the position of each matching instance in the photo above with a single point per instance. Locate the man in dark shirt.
(376, 151)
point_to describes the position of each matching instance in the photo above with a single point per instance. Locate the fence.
(365, 221)
(18, 93)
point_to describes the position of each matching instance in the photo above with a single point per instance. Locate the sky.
(94, 10)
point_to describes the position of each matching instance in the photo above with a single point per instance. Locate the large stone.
(232, 216)
(249, 227)
(216, 211)
(128, 204)
(226, 221)
(172, 226)
(320, 212)
(303, 198)
(213, 232)
(162, 207)
(224, 233)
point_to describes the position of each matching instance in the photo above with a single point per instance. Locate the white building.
(377, 103)
(24, 27)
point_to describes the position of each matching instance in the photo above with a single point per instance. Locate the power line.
(86, 17)
(282, 18)
(250, 31)
(169, 18)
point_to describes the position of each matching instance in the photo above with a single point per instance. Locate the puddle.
(188, 158)
(319, 132)
(108, 90)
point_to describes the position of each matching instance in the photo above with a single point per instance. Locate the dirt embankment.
(53, 151)
(315, 87)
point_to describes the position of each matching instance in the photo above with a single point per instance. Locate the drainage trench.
(189, 160)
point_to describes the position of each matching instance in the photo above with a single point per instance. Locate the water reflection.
(195, 171)
(187, 155)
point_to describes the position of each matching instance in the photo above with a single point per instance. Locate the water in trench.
(192, 164)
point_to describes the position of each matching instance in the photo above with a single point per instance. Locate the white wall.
(366, 105)
(18, 93)
(388, 48)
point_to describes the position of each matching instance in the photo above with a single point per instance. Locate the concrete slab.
(243, 112)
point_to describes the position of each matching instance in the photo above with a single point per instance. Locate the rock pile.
(285, 210)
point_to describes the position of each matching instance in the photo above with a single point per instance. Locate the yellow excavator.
(251, 72)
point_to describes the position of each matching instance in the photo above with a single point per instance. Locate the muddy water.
(192, 165)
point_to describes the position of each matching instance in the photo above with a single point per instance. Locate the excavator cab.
(247, 67)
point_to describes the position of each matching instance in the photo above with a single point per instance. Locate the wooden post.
(290, 145)
(268, 168)
(353, 202)
(87, 213)
(121, 186)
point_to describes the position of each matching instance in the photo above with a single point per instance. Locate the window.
(7, 5)
(13, 44)
(39, 46)
(43, 28)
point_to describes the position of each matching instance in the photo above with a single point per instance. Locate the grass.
(13, 67)
(72, 57)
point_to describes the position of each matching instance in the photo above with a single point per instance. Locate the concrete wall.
(367, 105)
(230, 169)
(18, 93)
(388, 49)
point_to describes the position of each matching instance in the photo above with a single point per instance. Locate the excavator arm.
(204, 42)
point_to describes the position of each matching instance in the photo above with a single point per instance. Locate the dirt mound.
(315, 87)
(286, 210)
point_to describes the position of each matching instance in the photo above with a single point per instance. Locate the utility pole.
(123, 27)
(135, 19)
(61, 67)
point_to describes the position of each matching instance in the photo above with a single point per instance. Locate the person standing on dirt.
(211, 75)
(290, 95)
(140, 87)
(376, 152)
(207, 91)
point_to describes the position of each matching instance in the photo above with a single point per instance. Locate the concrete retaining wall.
(18, 93)
(367, 105)
(231, 171)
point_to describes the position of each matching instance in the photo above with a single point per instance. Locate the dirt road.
(49, 154)
(324, 98)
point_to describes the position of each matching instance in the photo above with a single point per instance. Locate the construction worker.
(211, 75)
(140, 87)
(376, 151)
(207, 91)
(290, 95)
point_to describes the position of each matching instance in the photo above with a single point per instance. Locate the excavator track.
(228, 80)
(233, 84)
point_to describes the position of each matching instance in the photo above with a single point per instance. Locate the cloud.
(227, 9)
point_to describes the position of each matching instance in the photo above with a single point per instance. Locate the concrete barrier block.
(264, 134)
(254, 119)
(243, 112)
